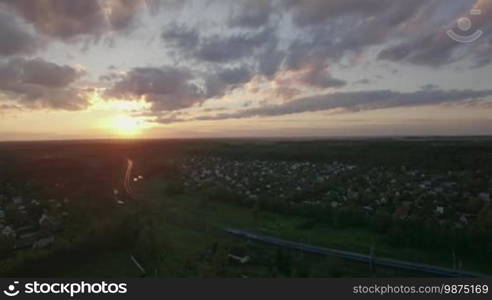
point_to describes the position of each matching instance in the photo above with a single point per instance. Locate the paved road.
(127, 180)
(385, 262)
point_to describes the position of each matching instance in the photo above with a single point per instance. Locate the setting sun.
(126, 125)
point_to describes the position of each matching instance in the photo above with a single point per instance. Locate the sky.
(73, 69)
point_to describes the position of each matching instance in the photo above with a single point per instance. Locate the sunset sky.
(216, 68)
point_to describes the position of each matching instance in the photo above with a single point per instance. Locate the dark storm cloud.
(36, 83)
(66, 19)
(14, 38)
(350, 101)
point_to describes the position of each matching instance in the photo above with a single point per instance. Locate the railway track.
(353, 256)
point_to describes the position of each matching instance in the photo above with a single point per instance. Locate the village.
(26, 222)
(448, 199)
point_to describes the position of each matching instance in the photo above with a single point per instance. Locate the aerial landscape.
(245, 139)
(170, 205)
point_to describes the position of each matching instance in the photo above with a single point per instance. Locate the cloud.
(5, 107)
(180, 36)
(236, 75)
(36, 83)
(314, 12)
(216, 48)
(362, 81)
(288, 46)
(230, 48)
(435, 48)
(332, 29)
(432, 50)
(251, 14)
(41, 72)
(223, 80)
(122, 13)
(61, 18)
(318, 77)
(66, 19)
(288, 82)
(349, 101)
(166, 88)
(429, 87)
(323, 34)
(270, 60)
(15, 38)
(259, 48)
(171, 88)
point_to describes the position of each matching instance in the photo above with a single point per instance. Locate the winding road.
(127, 180)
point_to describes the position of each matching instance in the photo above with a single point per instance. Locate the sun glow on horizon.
(126, 125)
(119, 120)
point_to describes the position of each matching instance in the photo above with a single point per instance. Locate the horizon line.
(284, 138)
